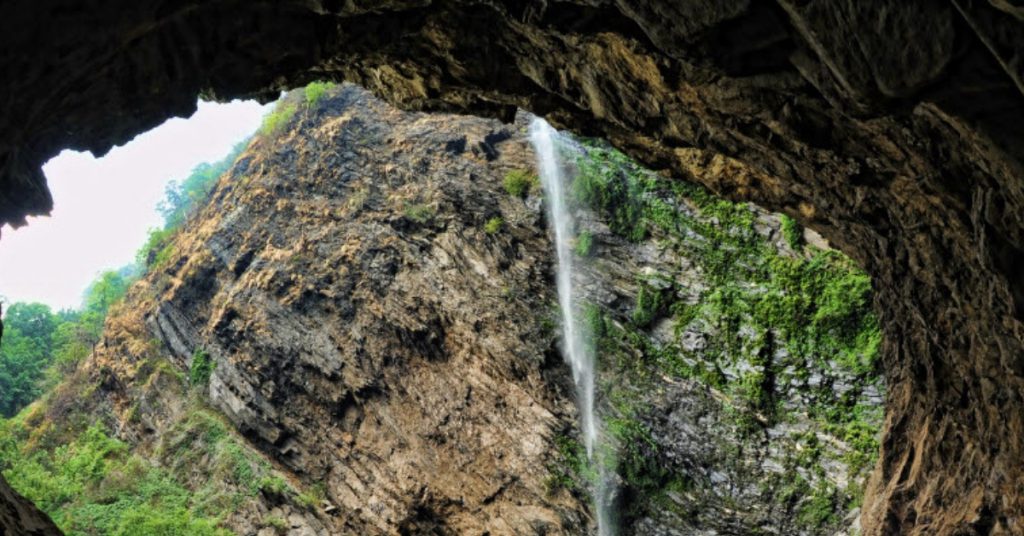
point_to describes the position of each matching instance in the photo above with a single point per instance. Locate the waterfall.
(575, 349)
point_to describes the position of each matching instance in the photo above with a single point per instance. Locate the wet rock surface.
(720, 466)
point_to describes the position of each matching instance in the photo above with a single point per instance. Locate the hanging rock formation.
(892, 127)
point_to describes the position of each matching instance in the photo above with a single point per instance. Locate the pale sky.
(103, 208)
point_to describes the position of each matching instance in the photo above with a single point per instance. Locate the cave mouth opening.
(107, 207)
(743, 316)
(889, 127)
(114, 215)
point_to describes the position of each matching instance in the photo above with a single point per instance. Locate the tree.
(34, 320)
(39, 347)
(104, 291)
(22, 364)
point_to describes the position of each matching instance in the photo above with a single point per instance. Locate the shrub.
(493, 225)
(792, 232)
(276, 120)
(201, 368)
(520, 182)
(273, 485)
(313, 496)
(315, 91)
(610, 184)
(420, 213)
(649, 304)
(92, 485)
(819, 508)
(278, 523)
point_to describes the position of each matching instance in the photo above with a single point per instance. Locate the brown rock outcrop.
(892, 127)
(366, 332)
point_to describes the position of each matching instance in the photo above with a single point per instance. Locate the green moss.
(277, 523)
(819, 508)
(650, 304)
(493, 225)
(584, 244)
(570, 470)
(792, 232)
(273, 485)
(520, 182)
(637, 462)
(200, 369)
(594, 321)
(765, 316)
(611, 184)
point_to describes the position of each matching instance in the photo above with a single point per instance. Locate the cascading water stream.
(576, 351)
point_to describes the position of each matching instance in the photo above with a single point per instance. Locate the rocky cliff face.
(357, 334)
(738, 353)
(362, 325)
(889, 126)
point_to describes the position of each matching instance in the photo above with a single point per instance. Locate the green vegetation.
(768, 319)
(604, 183)
(39, 347)
(650, 303)
(278, 523)
(275, 121)
(637, 460)
(420, 213)
(315, 91)
(200, 369)
(493, 225)
(819, 509)
(181, 200)
(520, 182)
(273, 485)
(92, 485)
(60, 455)
(817, 309)
(792, 232)
(584, 244)
(570, 469)
(313, 496)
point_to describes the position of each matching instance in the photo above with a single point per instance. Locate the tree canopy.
(39, 345)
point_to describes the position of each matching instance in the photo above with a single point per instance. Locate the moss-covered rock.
(738, 365)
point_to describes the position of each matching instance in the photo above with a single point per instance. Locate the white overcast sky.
(103, 207)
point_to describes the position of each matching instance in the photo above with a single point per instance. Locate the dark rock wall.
(19, 517)
(892, 127)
